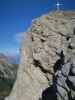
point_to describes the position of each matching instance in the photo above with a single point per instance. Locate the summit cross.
(58, 6)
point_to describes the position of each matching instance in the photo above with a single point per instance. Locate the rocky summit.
(47, 66)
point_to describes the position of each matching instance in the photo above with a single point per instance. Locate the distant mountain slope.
(14, 59)
(8, 73)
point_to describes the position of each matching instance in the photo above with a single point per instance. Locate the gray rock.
(61, 86)
(61, 93)
(72, 82)
(66, 81)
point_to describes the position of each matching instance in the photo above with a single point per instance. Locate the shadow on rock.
(2, 98)
(48, 94)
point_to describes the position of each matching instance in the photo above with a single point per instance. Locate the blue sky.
(16, 17)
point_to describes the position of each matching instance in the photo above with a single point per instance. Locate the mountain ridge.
(49, 35)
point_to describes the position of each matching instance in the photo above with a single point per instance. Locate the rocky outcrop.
(48, 36)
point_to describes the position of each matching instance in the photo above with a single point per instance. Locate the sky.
(16, 16)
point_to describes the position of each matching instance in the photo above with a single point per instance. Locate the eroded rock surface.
(41, 47)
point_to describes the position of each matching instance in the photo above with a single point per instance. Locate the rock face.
(41, 47)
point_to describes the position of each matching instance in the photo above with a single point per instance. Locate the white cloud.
(19, 36)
